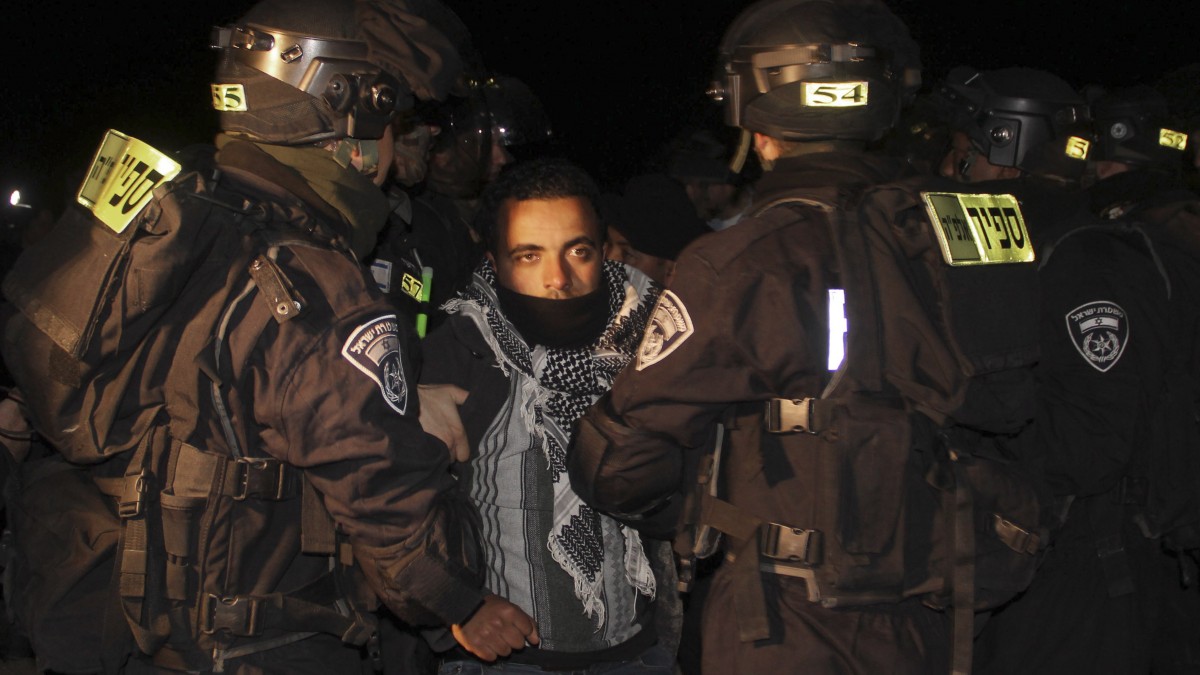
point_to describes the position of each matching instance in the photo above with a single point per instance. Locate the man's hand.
(496, 629)
(440, 418)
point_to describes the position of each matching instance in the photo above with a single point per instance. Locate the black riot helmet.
(303, 71)
(1025, 118)
(517, 115)
(1134, 125)
(811, 70)
(462, 149)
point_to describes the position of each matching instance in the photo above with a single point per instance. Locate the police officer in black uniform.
(1137, 171)
(446, 153)
(303, 431)
(1094, 604)
(810, 83)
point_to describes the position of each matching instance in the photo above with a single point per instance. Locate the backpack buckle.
(240, 615)
(791, 544)
(133, 495)
(790, 415)
(260, 478)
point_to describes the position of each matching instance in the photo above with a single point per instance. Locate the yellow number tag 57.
(835, 94)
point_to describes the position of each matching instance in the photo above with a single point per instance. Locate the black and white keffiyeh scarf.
(557, 386)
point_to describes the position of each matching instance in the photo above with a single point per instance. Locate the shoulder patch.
(374, 348)
(381, 272)
(1100, 332)
(668, 328)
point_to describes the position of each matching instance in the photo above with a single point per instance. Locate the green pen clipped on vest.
(426, 286)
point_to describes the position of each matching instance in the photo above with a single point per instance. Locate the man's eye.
(527, 257)
(582, 252)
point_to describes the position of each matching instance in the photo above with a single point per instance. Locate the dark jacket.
(329, 392)
(307, 403)
(755, 295)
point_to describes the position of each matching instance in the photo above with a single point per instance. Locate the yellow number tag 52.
(835, 94)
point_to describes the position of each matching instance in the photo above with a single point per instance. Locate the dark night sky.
(616, 77)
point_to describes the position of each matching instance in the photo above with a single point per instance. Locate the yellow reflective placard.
(1172, 139)
(411, 286)
(229, 98)
(979, 229)
(835, 94)
(123, 174)
(1077, 148)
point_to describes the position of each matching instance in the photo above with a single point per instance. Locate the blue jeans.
(654, 661)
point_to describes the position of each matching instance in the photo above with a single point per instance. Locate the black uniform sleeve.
(1103, 323)
(732, 329)
(347, 414)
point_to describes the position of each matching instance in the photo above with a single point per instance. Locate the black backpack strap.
(134, 573)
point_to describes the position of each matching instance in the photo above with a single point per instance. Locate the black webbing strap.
(150, 627)
(202, 473)
(250, 616)
(318, 535)
(742, 528)
(1105, 517)
(961, 507)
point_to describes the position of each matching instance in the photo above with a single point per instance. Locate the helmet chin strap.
(964, 167)
(743, 151)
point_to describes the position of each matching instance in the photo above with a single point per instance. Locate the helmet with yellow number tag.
(809, 70)
(297, 72)
(1133, 125)
(1019, 117)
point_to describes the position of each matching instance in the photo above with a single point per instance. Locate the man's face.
(548, 248)
(619, 249)
(411, 149)
(711, 199)
(499, 157)
(978, 166)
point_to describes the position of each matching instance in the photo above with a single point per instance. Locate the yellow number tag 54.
(835, 94)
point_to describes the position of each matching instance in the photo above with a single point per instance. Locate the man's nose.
(556, 274)
(948, 168)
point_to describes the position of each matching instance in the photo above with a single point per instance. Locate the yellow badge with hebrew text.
(123, 175)
(979, 229)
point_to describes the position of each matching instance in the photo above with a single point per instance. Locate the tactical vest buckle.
(791, 544)
(790, 415)
(1014, 536)
(240, 615)
(133, 495)
(260, 478)
(1132, 491)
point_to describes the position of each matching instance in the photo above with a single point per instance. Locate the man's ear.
(765, 146)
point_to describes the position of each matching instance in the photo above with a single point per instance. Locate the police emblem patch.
(669, 326)
(374, 348)
(1100, 332)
